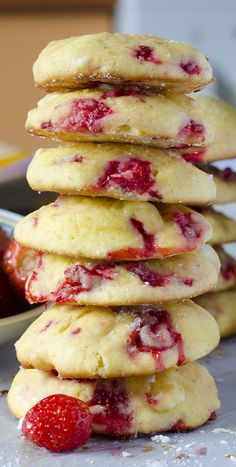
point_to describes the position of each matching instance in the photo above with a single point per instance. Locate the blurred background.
(26, 26)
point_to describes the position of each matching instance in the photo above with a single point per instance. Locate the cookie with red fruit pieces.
(120, 171)
(225, 182)
(143, 60)
(79, 341)
(182, 398)
(18, 263)
(58, 423)
(79, 281)
(227, 276)
(103, 228)
(222, 118)
(223, 227)
(222, 305)
(124, 115)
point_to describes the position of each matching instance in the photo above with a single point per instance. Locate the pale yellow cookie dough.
(102, 228)
(183, 398)
(120, 171)
(222, 305)
(95, 342)
(126, 116)
(115, 58)
(67, 280)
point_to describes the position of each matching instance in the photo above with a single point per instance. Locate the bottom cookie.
(175, 400)
(221, 305)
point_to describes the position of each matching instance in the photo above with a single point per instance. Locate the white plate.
(13, 326)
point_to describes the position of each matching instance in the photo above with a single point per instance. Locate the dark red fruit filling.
(228, 271)
(79, 279)
(47, 125)
(120, 92)
(180, 426)
(149, 244)
(154, 334)
(77, 158)
(191, 67)
(213, 416)
(130, 174)
(151, 400)
(192, 130)
(155, 278)
(227, 174)
(149, 277)
(114, 415)
(84, 115)
(143, 53)
(194, 157)
(189, 228)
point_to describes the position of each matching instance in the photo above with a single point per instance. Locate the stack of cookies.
(221, 303)
(121, 255)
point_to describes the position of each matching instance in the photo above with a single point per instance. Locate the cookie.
(143, 60)
(124, 115)
(222, 305)
(227, 276)
(79, 342)
(102, 228)
(225, 181)
(222, 118)
(223, 227)
(175, 400)
(65, 280)
(119, 171)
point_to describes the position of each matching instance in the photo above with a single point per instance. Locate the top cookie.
(115, 58)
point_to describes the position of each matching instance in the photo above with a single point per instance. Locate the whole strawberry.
(58, 423)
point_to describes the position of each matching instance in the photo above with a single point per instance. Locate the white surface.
(218, 437)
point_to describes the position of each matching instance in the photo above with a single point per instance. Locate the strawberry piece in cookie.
(154, 334)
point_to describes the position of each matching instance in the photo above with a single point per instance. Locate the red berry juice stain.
(154, 334)
(144, 53)
(131, 175)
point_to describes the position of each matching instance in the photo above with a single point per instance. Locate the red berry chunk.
(154, 334)
(189, 228)
(143, 53)
(152, 278)
(18, 263)
(148, 249)
(130, 174)
(120, 92)
(58, 423)
(84, 115)
(47, 125)
(227, 174)
(228, 271)
(115, 414)
(79, 278)
(191, 67)
(193, 129)
(194, 157)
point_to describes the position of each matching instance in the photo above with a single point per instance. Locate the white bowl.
(13, 326)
